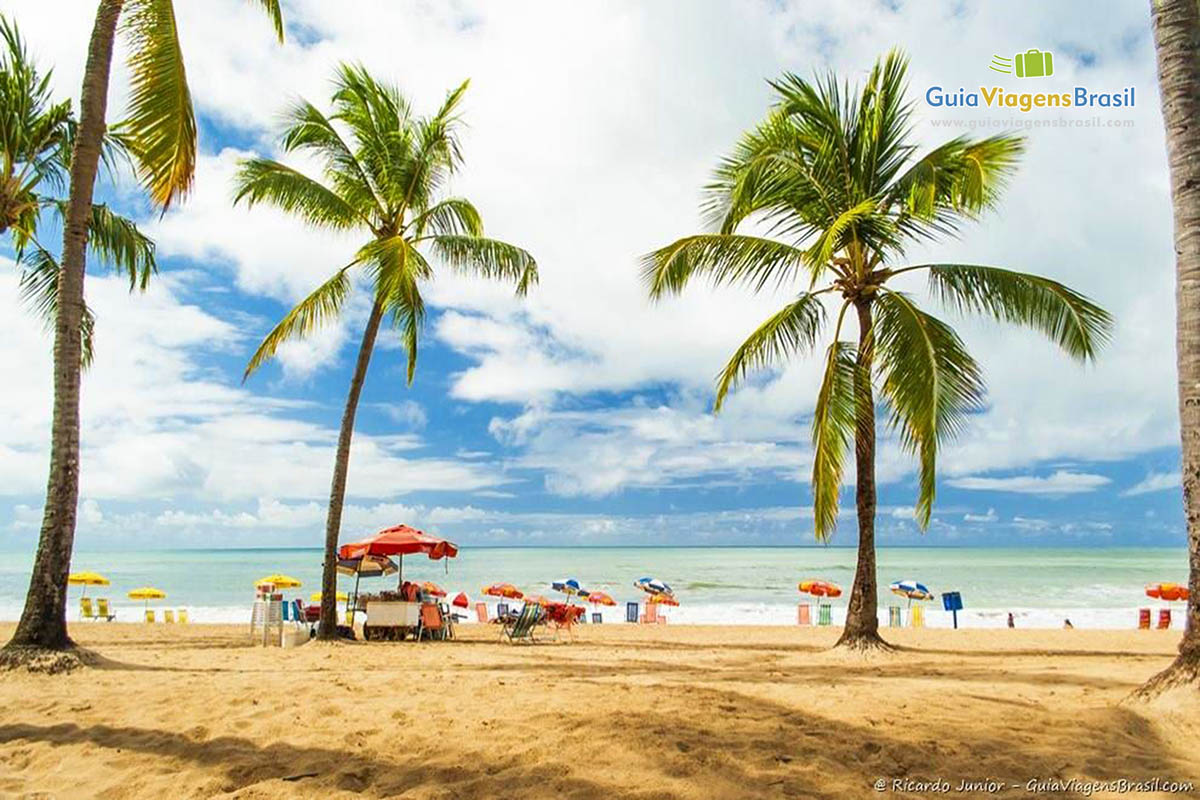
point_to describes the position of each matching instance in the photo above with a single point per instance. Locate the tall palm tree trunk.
(862, 614)
(43, 622)
(337, 492)
(1177, 41)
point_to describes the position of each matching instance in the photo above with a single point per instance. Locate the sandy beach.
(624, 711)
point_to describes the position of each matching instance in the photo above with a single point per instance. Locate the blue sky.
(582, 414)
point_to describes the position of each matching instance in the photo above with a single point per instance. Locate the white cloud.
(1154, 482)
(990, 516)
(1060, 482)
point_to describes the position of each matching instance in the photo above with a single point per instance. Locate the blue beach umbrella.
(570, 587)
(653, 586)
(911, 589)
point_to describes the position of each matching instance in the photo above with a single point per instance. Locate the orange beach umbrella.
(601, 599)
(502, 590)
(432, 588)
(662, 600)
(819, 588)
(1167, 591)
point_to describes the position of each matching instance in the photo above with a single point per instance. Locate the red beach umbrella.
(1167, 591)
(399, 541)
(503, 590)
(460, 600)
(432, 588)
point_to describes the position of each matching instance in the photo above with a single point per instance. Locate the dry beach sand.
(625, 711)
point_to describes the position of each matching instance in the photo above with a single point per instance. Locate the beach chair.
(597, 618)
(85, 608)
(804, 614)
(150, 615)
(651, 615)
(168, 616)
(521, 629)
(894, 617)
(824, 614)
(103, 611)
(631, 612)
(1143, 619)
(1164, 618)
(431, 624)
(183, 616)
(481, 612)
(916, 616)
(501, 610)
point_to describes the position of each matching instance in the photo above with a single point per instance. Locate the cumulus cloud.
(1060, 482)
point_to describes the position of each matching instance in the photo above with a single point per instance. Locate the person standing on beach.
(1011, 623)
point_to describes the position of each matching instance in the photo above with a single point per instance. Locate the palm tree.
(1177, 41)
(384, 170)
(160, 135)
(35, 157)
(831, 176)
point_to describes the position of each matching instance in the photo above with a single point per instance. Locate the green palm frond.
(161, 126)
(118, 243)
(408, 315)
(725, 259)
(454, 216)
(832, 429)
(791, 330)
(39, 292)
(1070, 320)
(261, 180)
(275, 14)
(319, 308)
(930, 381)
(309, 130)
(487, 258)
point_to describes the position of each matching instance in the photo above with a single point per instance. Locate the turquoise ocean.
(1094, 588)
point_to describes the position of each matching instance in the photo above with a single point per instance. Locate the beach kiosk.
(391, 615)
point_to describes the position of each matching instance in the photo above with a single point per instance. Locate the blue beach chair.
(632, 611)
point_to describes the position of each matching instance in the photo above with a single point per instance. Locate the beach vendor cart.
(397, 615)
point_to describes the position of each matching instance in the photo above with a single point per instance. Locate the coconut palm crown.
(833, 179)
(384, 172)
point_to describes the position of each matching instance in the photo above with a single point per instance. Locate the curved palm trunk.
(43, 622)
(1177, 42)
(862, 615)
(337, 492)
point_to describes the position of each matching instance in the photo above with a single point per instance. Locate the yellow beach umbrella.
(86, 579)
(147, 593)
(341, 597)
(280, 581)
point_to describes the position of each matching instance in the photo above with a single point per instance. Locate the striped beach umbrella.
(570, 587)
(819, 588)
(653, 586)
(911, 589)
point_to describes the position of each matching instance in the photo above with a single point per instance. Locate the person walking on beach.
(1011, 623)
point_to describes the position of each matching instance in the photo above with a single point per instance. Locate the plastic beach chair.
(631, 612)
(183, 616)
(651, 615)
(824, 614)
(521, 628)
(501, 610)
(1144, 619)
(168, 616)
(481, 612)
(894, 617)
(103, 611)
(85, 608)
(150, 615)
(1164, 619)
(804, 614)
(916, 617)
(431, 623)
(597, 618)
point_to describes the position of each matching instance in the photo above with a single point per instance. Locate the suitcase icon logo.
(1033, 63)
